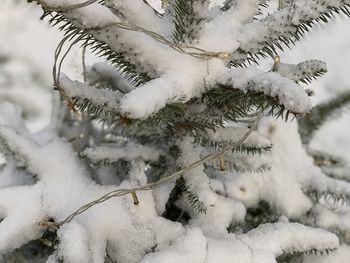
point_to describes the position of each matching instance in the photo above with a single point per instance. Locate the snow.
(75, 242)
(101, 97)
(151, 97)
(282, 23)
(219, 216)
(333, 219)
(146, 18)
(103, 72)
(302, 70)
(234, 133)
(289, 94)
(114, 153)
(248, 248)
(289, 237)
(11, 176)
(58, 183)
(221, 250)
(180, 77)
(341, 256)
(283, 186)
(188, 248)
(63, 3)
(311, 9)
(101, 14)
(287, 195)
(137, 233)
(10, 115)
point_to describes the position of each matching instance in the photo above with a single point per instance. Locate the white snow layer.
(178, 76)
(129, 232)
(74, 89)
(129, 152)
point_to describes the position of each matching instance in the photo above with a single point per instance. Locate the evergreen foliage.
(322, 113)
(180, 144)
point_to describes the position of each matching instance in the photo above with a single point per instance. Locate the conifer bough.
(182, 89)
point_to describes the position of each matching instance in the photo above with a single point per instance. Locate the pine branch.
(243, 149)
(233, 104)
(328, 196)
(227, 5)
(230, 166)
(256, 216)
(222, 104)
(113, 153)
(304, 72)
(118, 59)
(330, 218)
(122, 192)
(283, 28)
(322, 113)
(332, 166)
(297, 257)
(232, 4)
(188, 17)
(192, 197)
(322, 159)
(86, 98)
(104, 76)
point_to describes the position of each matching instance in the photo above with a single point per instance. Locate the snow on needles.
(180, 77)
(128, 231)
(113, 154)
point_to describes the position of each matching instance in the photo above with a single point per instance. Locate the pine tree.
(178, 148)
